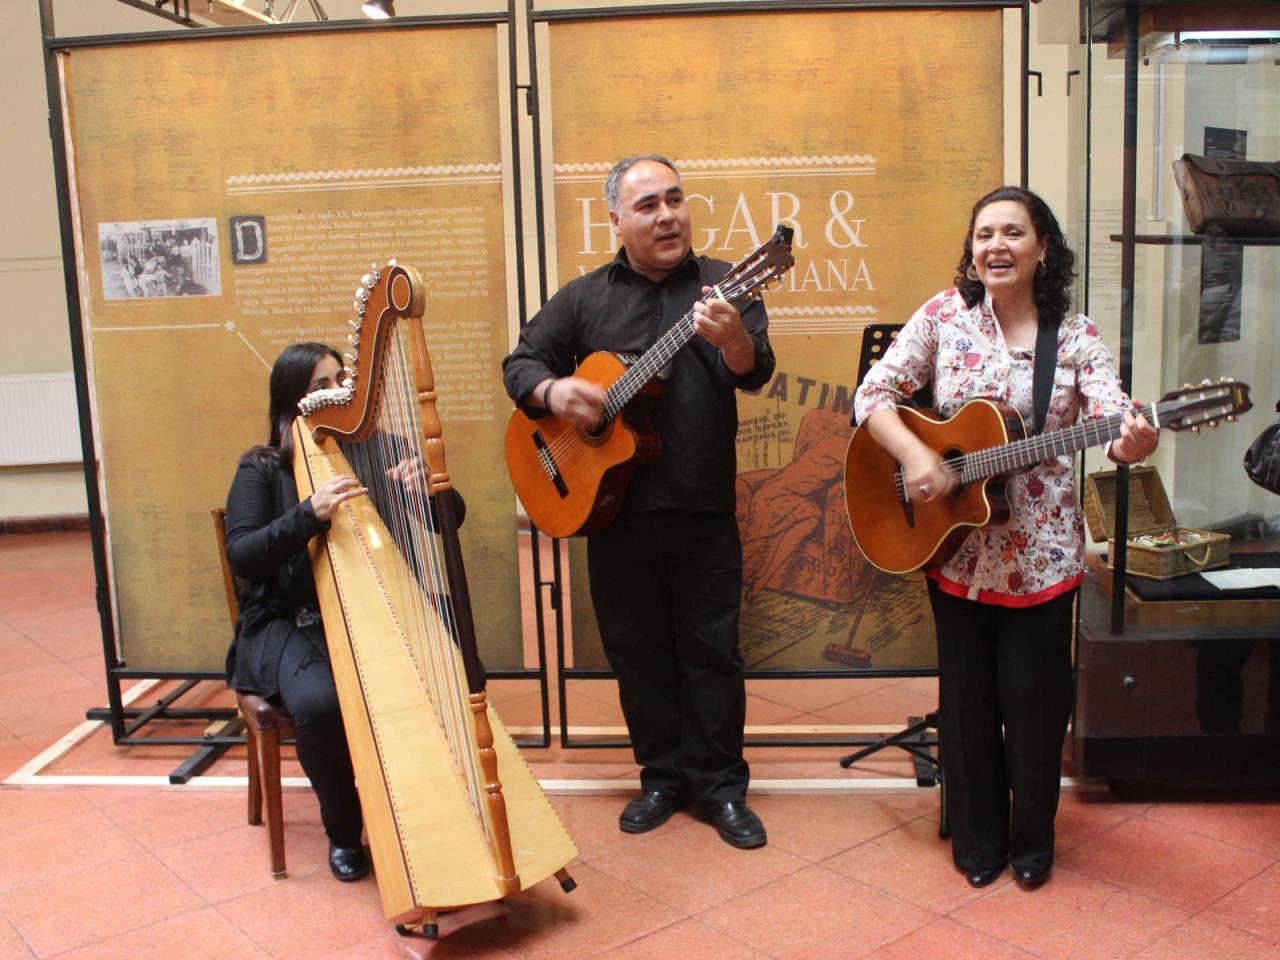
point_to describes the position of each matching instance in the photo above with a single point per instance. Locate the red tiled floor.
(96, 904)
(1252, 825)
(1200, 938)
(1183, 869)
(817, 913)
(1253, 906)
(199, 935)
(816, 828)
(90, 873)
(709, 872)
(946, 938)
(1071, 916)
(50, 849)
(913, 864)
(687, 939)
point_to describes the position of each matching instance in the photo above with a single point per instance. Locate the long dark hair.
(290, 378)
(1051, 289)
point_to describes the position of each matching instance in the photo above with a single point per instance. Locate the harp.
(453, 814)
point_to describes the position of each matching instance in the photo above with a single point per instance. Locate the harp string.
(417, 586)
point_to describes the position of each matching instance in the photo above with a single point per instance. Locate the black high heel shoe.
(981, 878)
(1031, 877)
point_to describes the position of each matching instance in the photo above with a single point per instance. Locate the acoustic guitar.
(984, 444)
(570, 480)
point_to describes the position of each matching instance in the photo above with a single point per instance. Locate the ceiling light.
(378, 9)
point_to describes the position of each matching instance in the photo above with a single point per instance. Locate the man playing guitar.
(666, 573)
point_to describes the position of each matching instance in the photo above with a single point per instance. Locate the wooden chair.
(265, 723)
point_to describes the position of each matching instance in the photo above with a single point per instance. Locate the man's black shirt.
(616, 309)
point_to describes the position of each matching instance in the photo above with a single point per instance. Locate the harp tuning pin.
(392, 262)
(1206, 382)
(367, 280)
(1196, 428)
(351, 359)
(362, 294)
(354, 340)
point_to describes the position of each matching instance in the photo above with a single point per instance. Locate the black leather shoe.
(981, 878)
(1030, 877)
(648, 811)
(736, 824)
(347, 863)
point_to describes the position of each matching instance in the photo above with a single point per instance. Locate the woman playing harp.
(279, 651)
(454, 815)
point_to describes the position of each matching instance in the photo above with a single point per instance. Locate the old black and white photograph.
(159, 258)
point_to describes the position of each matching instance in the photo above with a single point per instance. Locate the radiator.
(38, 419)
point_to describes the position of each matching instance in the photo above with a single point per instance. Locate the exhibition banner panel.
(229, 195)
(870, 133)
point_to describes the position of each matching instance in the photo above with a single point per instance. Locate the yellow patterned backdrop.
(230, 193)
(873, 144)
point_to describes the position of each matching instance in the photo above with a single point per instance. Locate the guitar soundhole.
(951, 456)
(597, 438)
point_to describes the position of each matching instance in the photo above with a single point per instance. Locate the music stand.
(915, 739)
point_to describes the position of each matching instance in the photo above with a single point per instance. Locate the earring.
(1041, 270)
(972, 272)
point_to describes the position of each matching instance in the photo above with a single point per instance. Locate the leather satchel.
(1262, 459)
(1229, 198)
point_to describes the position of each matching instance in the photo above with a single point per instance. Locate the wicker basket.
(1149, 513)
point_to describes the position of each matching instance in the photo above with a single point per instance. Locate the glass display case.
(1178, 666)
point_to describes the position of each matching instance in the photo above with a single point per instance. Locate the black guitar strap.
(1042, 376)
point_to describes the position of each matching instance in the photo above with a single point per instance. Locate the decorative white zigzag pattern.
(824, 160)
(375, 173)
(817, 311)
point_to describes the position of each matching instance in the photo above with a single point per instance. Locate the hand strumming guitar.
(575, 399)
(924, 472)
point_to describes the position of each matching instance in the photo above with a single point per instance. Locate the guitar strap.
(1042, 376)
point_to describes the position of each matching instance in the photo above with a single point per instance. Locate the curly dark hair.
(1052, 290)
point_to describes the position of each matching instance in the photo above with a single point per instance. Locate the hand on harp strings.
(334, 492)
(412, 474)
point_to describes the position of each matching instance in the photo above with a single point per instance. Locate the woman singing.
(1003, 603)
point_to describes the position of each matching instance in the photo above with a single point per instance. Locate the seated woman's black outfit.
(279, 651)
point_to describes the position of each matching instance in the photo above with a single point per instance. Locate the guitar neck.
(1020, 454)
(648, 366)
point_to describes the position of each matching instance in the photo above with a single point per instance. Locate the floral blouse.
(1039, 553)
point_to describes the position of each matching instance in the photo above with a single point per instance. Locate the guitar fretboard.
(742, 281)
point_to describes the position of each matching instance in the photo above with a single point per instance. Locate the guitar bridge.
(549, 464)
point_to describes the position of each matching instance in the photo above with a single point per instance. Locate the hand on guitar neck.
(719, 323)
(1136, 442)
